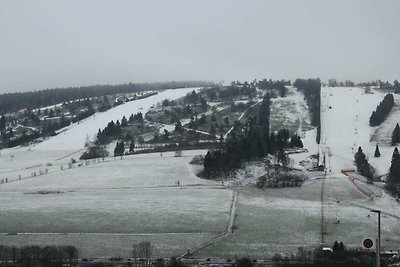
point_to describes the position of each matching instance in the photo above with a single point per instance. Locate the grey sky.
(45, 44)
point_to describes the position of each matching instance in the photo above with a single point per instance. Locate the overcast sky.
(46, 44)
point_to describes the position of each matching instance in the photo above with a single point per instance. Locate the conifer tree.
(132, 146)
(116, 149)
(377, 153)
(263, 115)
(362, 164)
(396, 135)
(394, 173)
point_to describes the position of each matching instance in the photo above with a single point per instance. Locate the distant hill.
(12, 102)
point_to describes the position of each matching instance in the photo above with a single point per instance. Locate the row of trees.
(114, 129)
(312, 92)
(335, 83)
(279, 85)
(382, 110)
(16, 101)
(363, 165)
(396, 135)
(38, 256)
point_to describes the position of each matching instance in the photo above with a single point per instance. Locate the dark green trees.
(132, 146)
(264, 112)
(312, 92)
(377, 153)
(251, 143)
(119, 149)
(382, 110)
(396, 135)
(394, 172)
(362, 164)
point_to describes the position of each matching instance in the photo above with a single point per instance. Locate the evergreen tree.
(213, 117)
(362, 164)
(132, 146)
(263, 115)
(377, 154)
(166, 134)
(394, 172)
(335, 246)
(382, 110)
(124, 122)
(116, 150)
(178, 127)
(341, 246)
(122, 148)
(226, 120)
(359, 158)
(119, 149)
(212, 130)
(3, 123)
(396, 135)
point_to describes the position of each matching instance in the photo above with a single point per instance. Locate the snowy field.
(345, 126)
(59, 150)
(290, 112)
(345, 114)
(272, 221)
(129, 199)
(322, 211)
(105, 207)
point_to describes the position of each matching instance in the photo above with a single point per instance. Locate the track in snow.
(228, 232)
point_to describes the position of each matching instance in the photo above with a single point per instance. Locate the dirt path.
(225, 235)
(240, 117)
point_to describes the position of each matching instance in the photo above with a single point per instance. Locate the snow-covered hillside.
(75, 135)
(70, 142)
(345, 114)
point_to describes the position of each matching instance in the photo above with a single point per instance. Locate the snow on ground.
(135, 171)
(322, 211)
(69, 144)
(75, 137)
(290, 112)
(345, 126)
(272, 221)
(119, 202)
(382, 134)
(133, 199)
(345, 203)
(118, 245)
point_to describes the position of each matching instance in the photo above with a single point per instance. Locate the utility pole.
(378, 245)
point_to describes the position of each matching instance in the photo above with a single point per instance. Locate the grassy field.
(272, 221)
(131, 199)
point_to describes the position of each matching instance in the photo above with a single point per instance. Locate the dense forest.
(12, 102)
(252, 143)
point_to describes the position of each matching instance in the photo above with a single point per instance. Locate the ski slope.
(75, 135)
(58, 150)
(345, 126)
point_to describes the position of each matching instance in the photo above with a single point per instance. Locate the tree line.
(12, 102)
(28, 256)
(382, 110)
(312, 92)
(113, 130)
